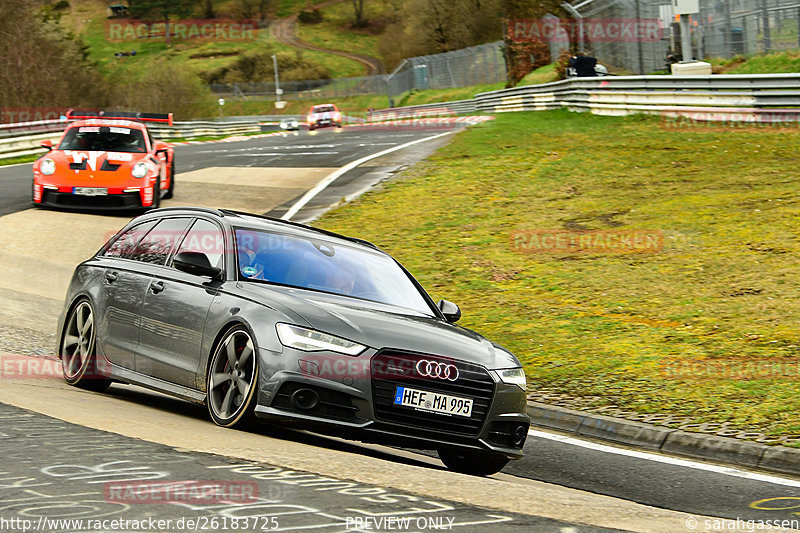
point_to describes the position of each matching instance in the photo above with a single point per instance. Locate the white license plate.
(433, 401)
(90, 191)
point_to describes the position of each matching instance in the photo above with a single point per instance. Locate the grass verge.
(705, 325)
(20, 159)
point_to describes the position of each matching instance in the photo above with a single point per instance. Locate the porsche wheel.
(78, 350)
(232, 380)
(156, 197)
(171, 188)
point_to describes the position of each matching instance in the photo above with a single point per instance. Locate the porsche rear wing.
(121, 115)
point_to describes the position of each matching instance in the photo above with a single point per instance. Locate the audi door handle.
(157, 286)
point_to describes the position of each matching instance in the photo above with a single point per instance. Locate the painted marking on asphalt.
(726, 470)
(273, 154)
(307, 197)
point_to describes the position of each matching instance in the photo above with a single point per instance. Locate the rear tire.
(78, 350)
(473, 463)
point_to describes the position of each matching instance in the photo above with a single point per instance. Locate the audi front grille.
(391, 369)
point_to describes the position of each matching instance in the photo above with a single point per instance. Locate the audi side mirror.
(47, 143)
(196, 263)
(451, 311)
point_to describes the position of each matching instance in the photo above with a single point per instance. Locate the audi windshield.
(325, 266)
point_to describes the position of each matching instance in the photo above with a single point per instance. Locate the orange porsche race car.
(105, 160)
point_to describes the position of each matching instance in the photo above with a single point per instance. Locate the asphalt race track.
(60, 446)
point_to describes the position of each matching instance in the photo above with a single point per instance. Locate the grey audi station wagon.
(260, 318)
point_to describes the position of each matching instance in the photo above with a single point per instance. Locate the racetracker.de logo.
(741, 118)
(16, 115)
(181, 492)
(562, 241)
(29, 367)
(596, 30)
(211, 29)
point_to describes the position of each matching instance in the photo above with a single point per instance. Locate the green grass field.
(776, 63)
(704, 324)
(335, 30)
(89, 20)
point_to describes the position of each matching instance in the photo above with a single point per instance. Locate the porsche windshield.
(324, 266)
(323, 109)
(103, 139)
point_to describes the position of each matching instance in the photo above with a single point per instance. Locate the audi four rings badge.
(432, 369)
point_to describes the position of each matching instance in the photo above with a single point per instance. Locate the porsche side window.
(126, 243)
(156, 246)
(207, 238)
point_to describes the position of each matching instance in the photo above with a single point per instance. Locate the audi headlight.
(310, 340)
(139, 170)
(47, 167)
(513, 376)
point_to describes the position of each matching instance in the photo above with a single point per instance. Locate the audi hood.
(382, 326)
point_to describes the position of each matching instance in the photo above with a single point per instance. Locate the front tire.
(156, 198)
(473, 463)
(171, 189)
(232, 380)
(79, 350)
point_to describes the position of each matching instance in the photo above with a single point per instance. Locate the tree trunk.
(208, 9)
(358, 7)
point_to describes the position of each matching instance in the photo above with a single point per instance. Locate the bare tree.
(41, 65)
(358, 9)
(518, 54)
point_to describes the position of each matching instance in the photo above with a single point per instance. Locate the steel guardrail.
(749, 97)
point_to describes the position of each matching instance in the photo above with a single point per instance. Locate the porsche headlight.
(139, 170)
(310, 340)
(513, 376)
(47, 167)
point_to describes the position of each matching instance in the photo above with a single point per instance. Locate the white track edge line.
(675, 461)
(330, 178)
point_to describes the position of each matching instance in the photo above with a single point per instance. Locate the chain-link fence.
(476, 65)
(722, 28)
(739, 27)
(303, 90)
(461, 68)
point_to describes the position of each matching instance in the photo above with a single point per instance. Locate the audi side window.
(207, 238)
(156, 246)
(126, 243)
